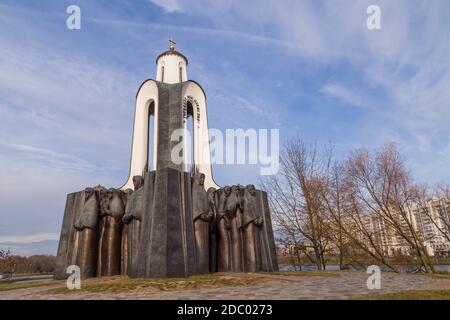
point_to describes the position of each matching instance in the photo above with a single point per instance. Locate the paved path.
(342, 286)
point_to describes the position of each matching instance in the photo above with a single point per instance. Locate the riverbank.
(404, 264)
(406, 268)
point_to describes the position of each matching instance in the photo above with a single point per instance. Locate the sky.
(308, 68)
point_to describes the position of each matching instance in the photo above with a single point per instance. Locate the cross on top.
(171, 44)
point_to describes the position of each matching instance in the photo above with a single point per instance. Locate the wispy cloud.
(28, 239)
(52, 157)
(347, 96)
(405, 64)
(168, 5)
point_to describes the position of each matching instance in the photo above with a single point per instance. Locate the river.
(403, 268)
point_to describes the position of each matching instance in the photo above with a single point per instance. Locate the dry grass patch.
(6, 286)
(126, 284)
(438, 275)
(304, 273)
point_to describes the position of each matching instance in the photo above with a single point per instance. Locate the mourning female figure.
(126, 194)
(212, 200)
(223, 226)
(111, 213)
(234, 211)
(132, 220)
(86, 235)
(250, 231)
(202, 216)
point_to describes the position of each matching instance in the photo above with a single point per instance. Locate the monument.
(165, 221)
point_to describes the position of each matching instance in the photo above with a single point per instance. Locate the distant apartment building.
(433, 226)
(429, 222)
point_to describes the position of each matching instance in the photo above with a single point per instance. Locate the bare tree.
(352, 228)
(334, 199)
(35, 264)
(331, 195)
(365, 208)
(296, 201)
(6, 264)
(384, 189)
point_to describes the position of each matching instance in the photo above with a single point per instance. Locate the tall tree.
(296, 201)
(384, 188)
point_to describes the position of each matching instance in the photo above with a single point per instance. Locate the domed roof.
(172, 51)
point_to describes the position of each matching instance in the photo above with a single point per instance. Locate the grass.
(304, 273)
(26, 275)
(126, 284)
(441, 275)
(5, 286)
(410, 295)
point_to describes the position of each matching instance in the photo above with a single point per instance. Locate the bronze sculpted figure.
(134, 211)
(110, 240)
(250, 231)
(202, 216)
(234, 208)
(86, 235)
(229, 239)
(223, 226)
(212, 200)
(124, 246)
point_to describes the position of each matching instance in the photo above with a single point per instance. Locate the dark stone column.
(67, 250)
(268, 249)
(167, 247)
(143, 264)
(170, 118)
(61, 257)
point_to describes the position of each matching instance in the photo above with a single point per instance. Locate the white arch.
(202, 156)
(147, 93)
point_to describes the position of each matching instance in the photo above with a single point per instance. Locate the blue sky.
(309, 68)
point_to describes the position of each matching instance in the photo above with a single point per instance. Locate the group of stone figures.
(228, 223)
(228, 228)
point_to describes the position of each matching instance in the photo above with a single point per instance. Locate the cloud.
(168, 5)
(401, 72)
(29, 238)
(30, 244)
(51, 157)
(351, 97)
(35, 248)
(59, 106)
(65, 123)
